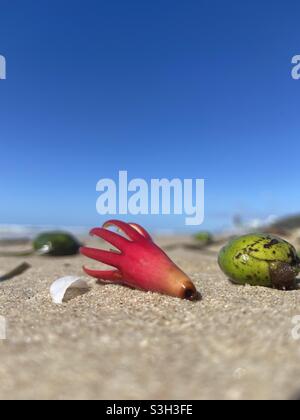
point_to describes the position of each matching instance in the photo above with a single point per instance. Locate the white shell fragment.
(67, 288)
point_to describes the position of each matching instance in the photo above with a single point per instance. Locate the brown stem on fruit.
(283, 276)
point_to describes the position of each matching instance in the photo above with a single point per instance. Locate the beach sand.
(117, 343)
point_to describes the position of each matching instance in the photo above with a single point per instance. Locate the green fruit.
(260, 260)
(204, 237)
(56, 244)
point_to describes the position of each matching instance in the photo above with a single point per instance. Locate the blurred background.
(194, 89)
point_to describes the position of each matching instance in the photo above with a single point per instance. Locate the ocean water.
(11, 232)
(20, 232)
(17, 231)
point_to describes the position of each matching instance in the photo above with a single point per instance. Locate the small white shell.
(61, 286)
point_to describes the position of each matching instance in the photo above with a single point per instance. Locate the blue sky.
(194, 89)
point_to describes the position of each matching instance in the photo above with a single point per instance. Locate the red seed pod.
(140, 263)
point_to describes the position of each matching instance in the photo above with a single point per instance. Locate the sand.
(118, 343)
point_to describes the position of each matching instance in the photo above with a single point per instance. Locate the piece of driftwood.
(15, 272)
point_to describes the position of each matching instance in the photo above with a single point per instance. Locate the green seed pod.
(204, 237)
(56, 244)
(260, 260)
